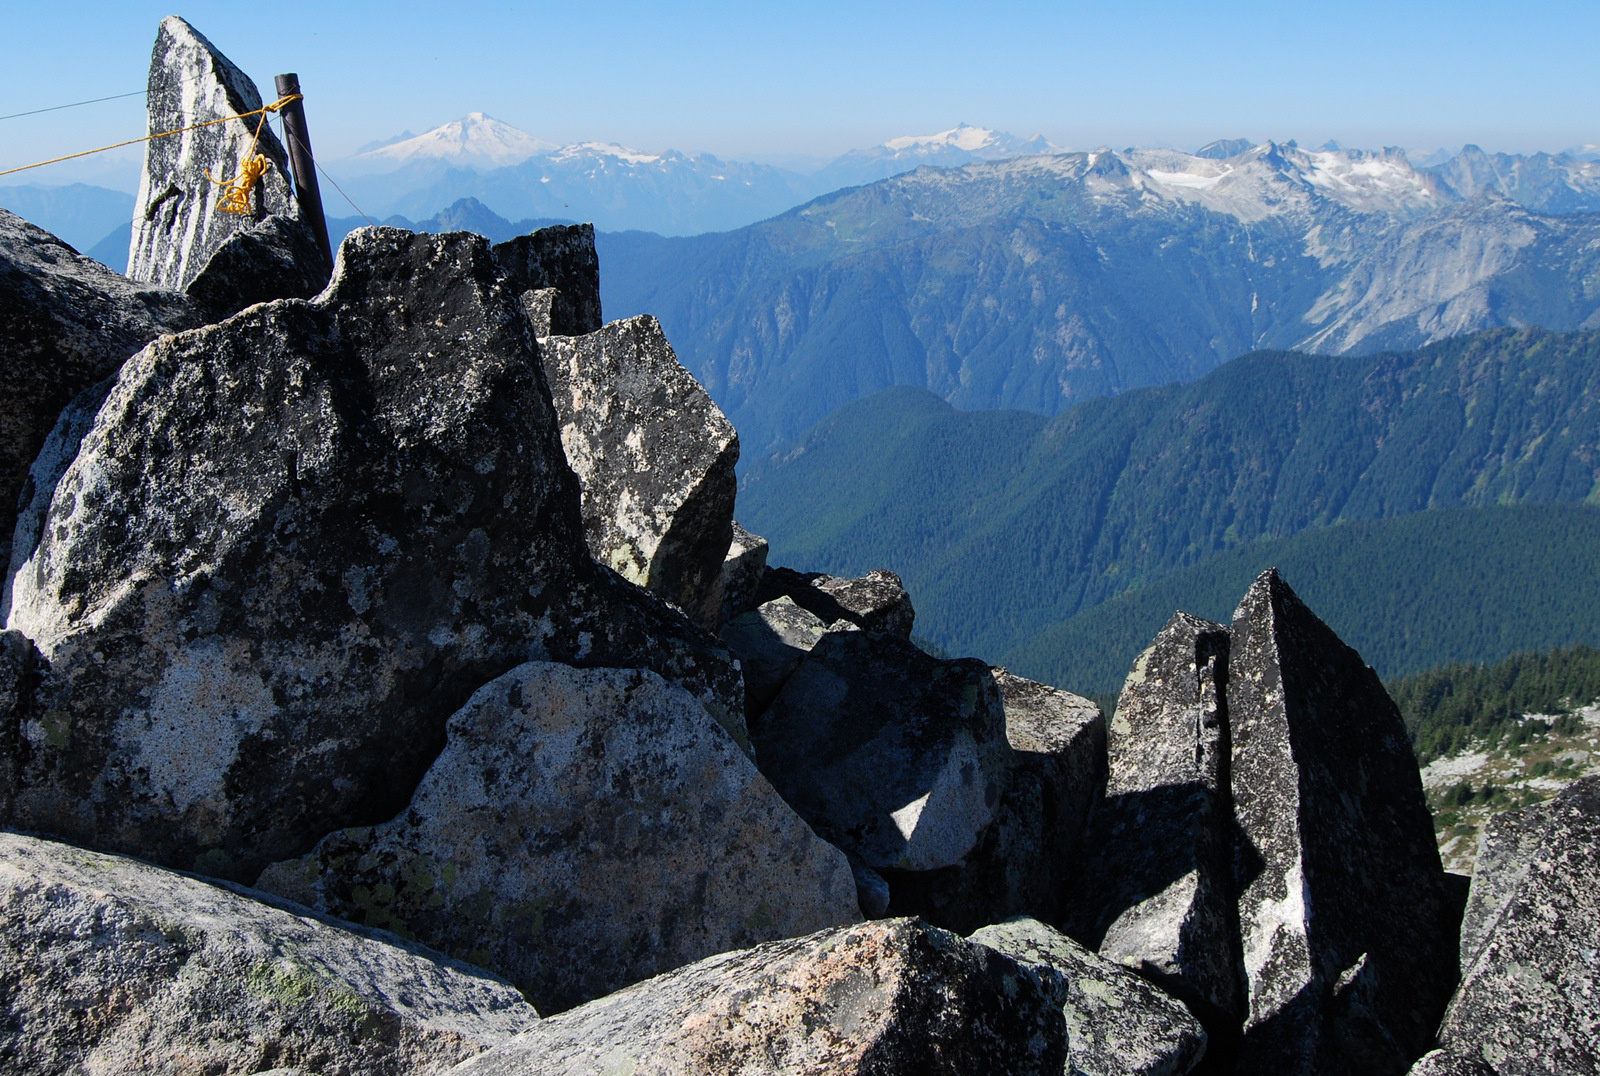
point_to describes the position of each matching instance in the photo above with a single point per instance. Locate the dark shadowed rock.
(66, 322)
(875, 602)
(1157, 893)
(742, 570)
(770, 642)
(582, 830)
(1529, 1000)
(655, 458)
(291, 545)
(110, 965)
(1117, 1024)
(1347, 952)
(177, 220)
(276, 258)
(893, 996)
(559, 262)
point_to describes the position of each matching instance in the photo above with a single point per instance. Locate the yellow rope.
(236, 195)
(279, 103)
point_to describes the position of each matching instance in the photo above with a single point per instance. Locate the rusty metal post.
(302, 164)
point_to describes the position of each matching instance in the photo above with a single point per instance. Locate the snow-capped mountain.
(960, 145)
(474, 140)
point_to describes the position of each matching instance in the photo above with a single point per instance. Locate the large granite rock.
(582, 830)
(1348, 953)
(66, 322)
(1529, 1000)
(876, 601)
(770, 641)
(1157, 892)
(886, 997)
(177, 220)
(110, 965)
(557, 272)
(742, 571)
(275, 258)
(291, 545)
(655, 458)
(1117, 1023)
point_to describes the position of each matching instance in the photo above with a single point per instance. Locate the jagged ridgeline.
(387, 688)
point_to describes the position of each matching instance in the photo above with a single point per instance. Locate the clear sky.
(755, 80)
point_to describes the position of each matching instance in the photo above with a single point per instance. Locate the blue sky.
(756, 80)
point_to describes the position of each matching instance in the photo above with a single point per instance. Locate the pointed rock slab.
(655, 457)
(1347, 950)
(110, 965)
(1157, 893)
(560, 266)
(875, 602)
(290, 547)
(66, 322)
(1117, 1023)
(276, 258)
(582, 830)
(893, 996)
(177, 222)
(1529, 1000)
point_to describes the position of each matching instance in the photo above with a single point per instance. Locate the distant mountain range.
(1036, 282)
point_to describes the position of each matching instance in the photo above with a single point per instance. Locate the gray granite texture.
(560, 264)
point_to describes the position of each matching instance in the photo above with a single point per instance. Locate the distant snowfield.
(1184, 179)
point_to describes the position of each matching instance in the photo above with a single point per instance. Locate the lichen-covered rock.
(110, 965)
(742, 571)
(291, 545)
(560, 265)
(1529, 1000)
(887, 997)
(1031, 853)
(582, 830)
(1117, 1023)
(655, 458)
(177, 220)
(875, 602)
(1157, 893)
(770, 641)
(66, 322)
(276, 258)
(1445, 1063)
(1347, 950)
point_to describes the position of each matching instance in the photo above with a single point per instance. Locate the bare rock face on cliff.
(291, 545)
(1157, 891)
(655, 458)
(177, 220)
(1347, 949)
(112, 965)
(66, 322)
(1529, 1000)
(582, 830)
(894, 996)
(557, 273)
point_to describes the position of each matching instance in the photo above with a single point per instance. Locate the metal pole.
(302, 164)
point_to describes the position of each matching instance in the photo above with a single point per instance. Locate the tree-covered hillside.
(1004, 524)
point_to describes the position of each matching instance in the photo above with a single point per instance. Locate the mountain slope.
(1004, 524)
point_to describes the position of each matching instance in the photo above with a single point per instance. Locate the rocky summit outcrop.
(110, 965)
(290, 546)
(275, 258)
(1348, 952)
(178, 222)
(770, 641)
(876, 601)
(1117, 1023)
(892, 996)
(582, 830)
(1156, 892)
(742, 570)
(655, 458)
(557, 273)
(66, 322)
(1529, 1000)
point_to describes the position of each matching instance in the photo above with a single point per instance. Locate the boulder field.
(387, 687)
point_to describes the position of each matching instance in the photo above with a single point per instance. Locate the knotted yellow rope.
(236, 195)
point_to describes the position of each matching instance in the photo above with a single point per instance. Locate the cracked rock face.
(290, 546)
(655, 458)
(1348, 956)
(875, 602)
(1117, 1023)
(892, 996)
(582, 830)
(1529, 1000)
(66, 322)
(108, 964)
(177, 225)
(1157, 893)
(560, 267)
